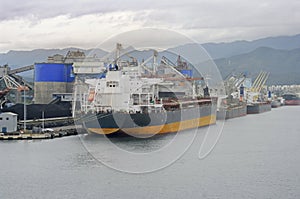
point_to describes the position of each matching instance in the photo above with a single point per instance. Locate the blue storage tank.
(53, 72)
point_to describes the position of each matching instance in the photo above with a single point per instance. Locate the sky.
(32, 24)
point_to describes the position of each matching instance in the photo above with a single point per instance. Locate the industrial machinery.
(11, 81)
(255, 92)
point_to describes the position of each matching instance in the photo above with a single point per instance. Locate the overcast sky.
(26, 25)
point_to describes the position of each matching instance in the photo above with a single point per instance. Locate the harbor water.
(257, 156)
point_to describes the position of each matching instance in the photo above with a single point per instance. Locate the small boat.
(275, 103)
(291, 99)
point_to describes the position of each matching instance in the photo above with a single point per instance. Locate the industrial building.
(51, 78)
(52, 87)
(8, 122)
(55, 78)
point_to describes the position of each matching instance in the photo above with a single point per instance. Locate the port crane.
(260, 81)
(254, 93)
(13, 82)
(233, 82)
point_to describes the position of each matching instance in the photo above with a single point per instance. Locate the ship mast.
(118, 52)
(155, 54)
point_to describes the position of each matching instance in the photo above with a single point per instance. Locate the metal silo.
(51, 78)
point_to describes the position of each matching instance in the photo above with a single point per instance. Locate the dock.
(38, 136)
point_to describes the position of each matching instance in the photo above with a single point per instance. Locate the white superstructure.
(121, 90)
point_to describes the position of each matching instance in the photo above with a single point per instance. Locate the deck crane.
(255, 91)
(232, 84)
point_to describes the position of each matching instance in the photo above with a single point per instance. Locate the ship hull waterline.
(144, 124)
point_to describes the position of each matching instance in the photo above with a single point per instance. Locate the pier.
(57, 133)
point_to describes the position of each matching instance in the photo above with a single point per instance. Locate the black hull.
(228, 113)
(146, 123)
(258, 108)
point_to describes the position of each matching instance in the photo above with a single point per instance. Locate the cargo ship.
(291, 99)
(131, 99)
(257, 102)
(232, 111)
(258, 107)
(233, 105)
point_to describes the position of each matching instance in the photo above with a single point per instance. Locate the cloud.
(58, 32)
(178, 9)
(44, 8)
(46, 24)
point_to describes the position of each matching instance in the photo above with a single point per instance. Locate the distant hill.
(283, 65)
(20, 58)
(224, 50)
(278, 55)
(16, 59)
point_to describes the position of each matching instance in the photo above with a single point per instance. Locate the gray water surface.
(257, 156)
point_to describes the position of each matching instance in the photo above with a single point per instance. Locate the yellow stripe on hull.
(165, 128)
(103, 131)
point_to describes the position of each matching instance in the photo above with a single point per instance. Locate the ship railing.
(148, 108)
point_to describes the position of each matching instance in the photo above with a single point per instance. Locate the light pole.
(24, 117)
(43, 117)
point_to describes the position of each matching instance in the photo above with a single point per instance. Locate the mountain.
(278, 55)
(223, 50)
(283, 65)
(16, 59)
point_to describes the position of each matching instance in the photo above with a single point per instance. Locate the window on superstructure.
(112, 84)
